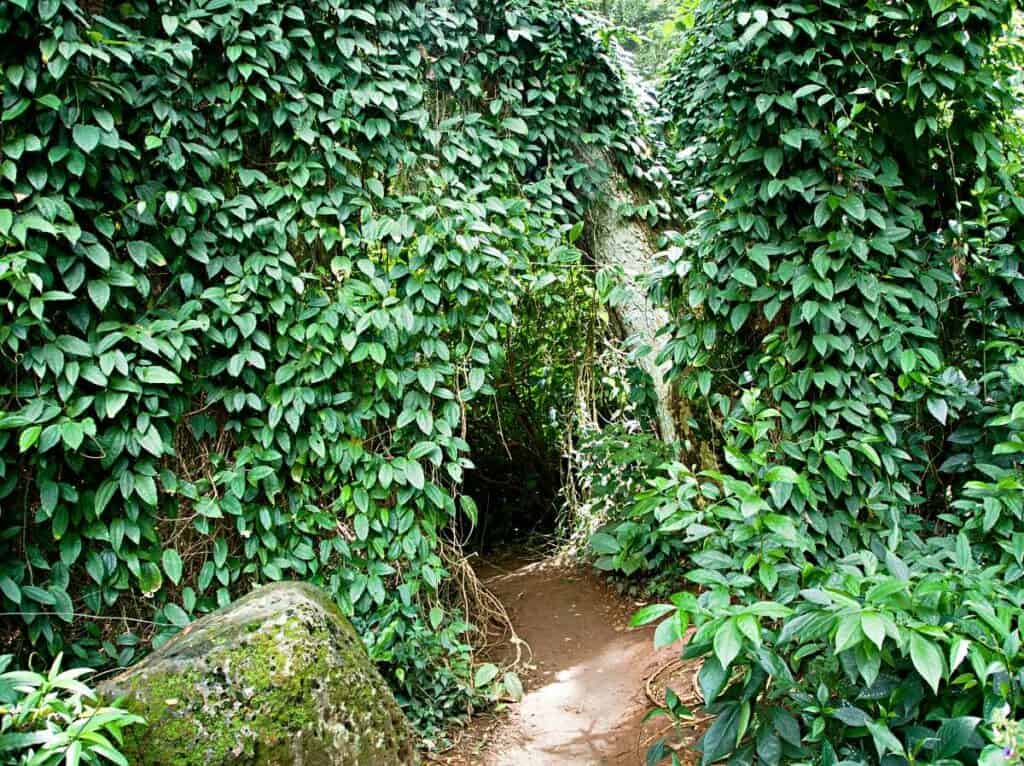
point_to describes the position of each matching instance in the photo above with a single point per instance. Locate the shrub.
(622, 478)
(51, 719)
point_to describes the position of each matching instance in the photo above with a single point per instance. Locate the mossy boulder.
(279, 677)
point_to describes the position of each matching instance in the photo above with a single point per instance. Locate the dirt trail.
(585, 690)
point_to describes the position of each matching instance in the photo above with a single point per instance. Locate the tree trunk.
(630, 245)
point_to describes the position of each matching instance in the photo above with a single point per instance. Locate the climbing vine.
(256, 258)
(847, 293)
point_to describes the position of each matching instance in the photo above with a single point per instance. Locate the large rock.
(278, 677)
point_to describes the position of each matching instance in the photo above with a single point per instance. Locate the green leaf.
(152, 442)
(47, 8)
(836, 466)
(848, 633)
(874, 627)
(176, 615)
(10, 589)
(436, 617)
(157, 375)
(927, 659)
(484, 675)
(172, 565)
(87, 137)
(724, 733)
(783, 26)
(992, 755)
(604, 543)
(414, 474)
(513, 686)
(72, 345)
(670, 630)
(727, 642)
(712, 678)
(852, 716)
(427, 378)
(516, 125)
(650, 613)
(99, 293)
(62, 604)
(745, 277)
(145, 488)
(885, 741)
(773, 161)
(104, 494)
(783, 474)
(39, 595)
(955, 734)
(908, 360)
(854, 207)
(150, 578)
(939, 409)
(28, 438)
(362, 526)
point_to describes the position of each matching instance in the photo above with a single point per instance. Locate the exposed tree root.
(464, 589)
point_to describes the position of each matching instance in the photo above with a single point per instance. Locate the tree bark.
(615, 240)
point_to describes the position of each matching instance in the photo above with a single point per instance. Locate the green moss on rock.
(279, 677)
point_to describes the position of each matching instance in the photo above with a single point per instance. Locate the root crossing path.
(586, 680)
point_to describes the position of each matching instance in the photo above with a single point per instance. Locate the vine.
(256, 258)
(847, 297)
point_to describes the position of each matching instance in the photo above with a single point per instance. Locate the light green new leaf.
(727, 642)
(927, 659)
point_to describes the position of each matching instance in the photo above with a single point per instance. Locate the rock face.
(277, 678)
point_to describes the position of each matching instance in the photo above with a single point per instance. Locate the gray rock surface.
(279, 677)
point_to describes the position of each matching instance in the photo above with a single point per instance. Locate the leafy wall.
(848, 296)
(256, 258)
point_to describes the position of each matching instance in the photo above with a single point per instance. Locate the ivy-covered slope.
(255, 259)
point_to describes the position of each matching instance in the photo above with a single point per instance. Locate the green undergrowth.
(257, 260)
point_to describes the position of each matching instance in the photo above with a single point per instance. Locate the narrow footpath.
(587, 682)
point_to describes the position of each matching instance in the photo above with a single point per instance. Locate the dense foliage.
(650, 30)
(261, 263)
(256, 258)
(50, 718)
(847, 293)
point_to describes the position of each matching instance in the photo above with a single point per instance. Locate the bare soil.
(588, 676)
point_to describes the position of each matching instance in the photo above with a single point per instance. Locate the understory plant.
(54, 718)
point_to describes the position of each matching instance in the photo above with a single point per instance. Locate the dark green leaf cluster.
(847, 294)
(256, 258)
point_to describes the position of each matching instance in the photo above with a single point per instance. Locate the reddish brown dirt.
(586, 679)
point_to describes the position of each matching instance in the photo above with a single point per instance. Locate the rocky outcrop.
(279, 677)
